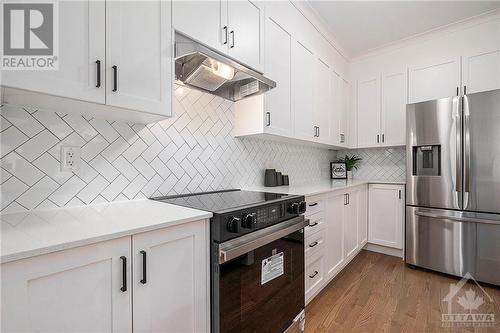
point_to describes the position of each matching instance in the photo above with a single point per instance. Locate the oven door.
(258, 282)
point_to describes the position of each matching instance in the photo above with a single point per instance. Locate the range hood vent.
(202, 68)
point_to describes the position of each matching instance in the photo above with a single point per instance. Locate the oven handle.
(241, 245)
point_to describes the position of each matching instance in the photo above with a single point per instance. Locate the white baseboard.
(384, 250)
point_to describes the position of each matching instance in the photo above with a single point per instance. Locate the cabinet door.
(368, 98)
(362, 215)
(350, 224)
(385, 223)
(345, 112)
(302, 78)
(433, 81)
(336, 89)
(244, 23)
(172, 295)
(204, 21)
(322, 101)
(278, 67)
(81, 44)
(139, 44)
(334, 233)
(76, 290)
(481, 72)
(393, 109)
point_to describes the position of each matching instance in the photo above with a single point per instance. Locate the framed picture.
(338, 170)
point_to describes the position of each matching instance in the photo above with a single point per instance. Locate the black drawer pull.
(98, 73)
(313, 244)
(143, 281)
(313, 204)
(115, 78)
(314, 224)
(124, 273)
(314, 274)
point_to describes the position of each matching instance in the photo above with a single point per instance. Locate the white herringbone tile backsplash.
(387, 164)
(193, 151)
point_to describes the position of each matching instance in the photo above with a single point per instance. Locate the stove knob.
(247, 221)
(295, 208)
(302, 207)
(233, 225)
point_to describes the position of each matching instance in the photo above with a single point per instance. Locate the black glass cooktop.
(223, 201)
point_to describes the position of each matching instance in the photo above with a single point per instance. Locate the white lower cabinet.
(99, 288)
(386, 207)
(76, 290)
(341, 222)
(170, 279)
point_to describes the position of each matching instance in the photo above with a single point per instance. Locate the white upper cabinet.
(385, 225)
(393, 112)
(433, 80)
(278, 67)
(481, 71)
(345, 112)
(170, 275)
(205, 21)
(322, 101)
(76, 290)
(303, 80)
(81, 57)
(244, 31)
(138, 55)
(336, 107)
(368, 102)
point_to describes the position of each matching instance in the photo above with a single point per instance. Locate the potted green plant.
(351, 163)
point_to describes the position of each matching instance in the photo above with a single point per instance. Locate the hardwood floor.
(379, 293)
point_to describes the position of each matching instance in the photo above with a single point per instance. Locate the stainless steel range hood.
(202, 68)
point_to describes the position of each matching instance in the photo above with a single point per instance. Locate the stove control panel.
(231, 225)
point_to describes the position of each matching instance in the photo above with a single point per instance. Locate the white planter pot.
(349, 174)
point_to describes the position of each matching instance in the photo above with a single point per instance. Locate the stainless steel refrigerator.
(453, 185)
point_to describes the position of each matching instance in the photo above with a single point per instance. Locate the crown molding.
(430, 34)
(305, 8)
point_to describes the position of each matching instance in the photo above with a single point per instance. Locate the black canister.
(270, 178)
(279, 179)
(286, 180)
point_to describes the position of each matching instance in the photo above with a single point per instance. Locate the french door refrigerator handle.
(457, 105)
(236, 247)
(467, 178)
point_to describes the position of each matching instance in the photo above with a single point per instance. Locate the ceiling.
(360, 26)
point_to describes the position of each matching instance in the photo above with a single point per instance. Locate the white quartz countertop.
(319, 187)
(27, 234)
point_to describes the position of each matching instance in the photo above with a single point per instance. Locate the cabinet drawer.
(316, 224)
(314, 275)
(314, 243)
(314, 205)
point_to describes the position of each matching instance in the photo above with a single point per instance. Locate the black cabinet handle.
(465, 90)
(399, 194)
(458, 93)
(225, 35)
(383, 137)
(348, 199)
(378, 138)
(98, 73)
(314, 274)
(345, 199)
(232, 38)
(318, 131)
(143, 281)
(115, 77)
(313, 244)
(124, 273)
(313, 204)
(314, 224)
(268, 118)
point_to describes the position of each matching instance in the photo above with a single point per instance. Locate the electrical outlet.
(70, 158)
